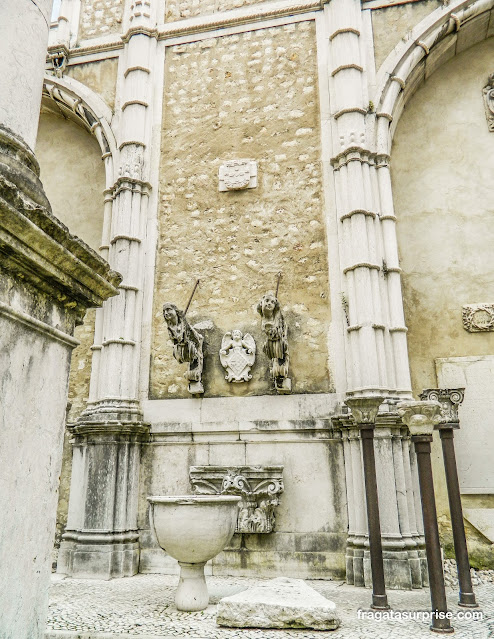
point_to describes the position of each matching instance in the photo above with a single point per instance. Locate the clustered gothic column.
(48, 279)
(399, 504)
(376, 353)
(102, 538)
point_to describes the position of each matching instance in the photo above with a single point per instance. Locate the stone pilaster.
(101, 539)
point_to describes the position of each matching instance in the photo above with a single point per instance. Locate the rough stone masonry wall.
(99, 18)
(254, 96)
(180, 9)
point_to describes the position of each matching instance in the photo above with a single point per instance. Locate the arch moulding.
(86, 108)
(439, 37)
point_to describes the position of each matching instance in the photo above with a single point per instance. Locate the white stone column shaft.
(116, 374)
(24, 26)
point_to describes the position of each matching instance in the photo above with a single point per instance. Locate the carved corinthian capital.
(449, 399)
(420, 416)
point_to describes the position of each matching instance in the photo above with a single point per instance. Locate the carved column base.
(405, 565)
(98, 555)
(101, 540)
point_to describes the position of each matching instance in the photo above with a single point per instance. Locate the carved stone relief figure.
(187, 346)
(276, 346)
(237, 355)
(488, 93)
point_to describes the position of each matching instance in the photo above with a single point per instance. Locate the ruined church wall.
(252, 95)
(441, 166)
(74, 179)
(392, 24)
(100, 18)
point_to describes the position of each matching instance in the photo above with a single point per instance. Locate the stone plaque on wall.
(236, 175)
(478, 318)
(473, 439)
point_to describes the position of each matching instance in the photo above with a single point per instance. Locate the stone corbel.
(58, 57)
(259, 486)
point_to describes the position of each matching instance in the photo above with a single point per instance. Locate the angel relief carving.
(237, 355)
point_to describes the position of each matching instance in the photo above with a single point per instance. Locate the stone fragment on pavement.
(278, 603)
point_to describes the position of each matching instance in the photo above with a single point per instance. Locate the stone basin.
(193, 529)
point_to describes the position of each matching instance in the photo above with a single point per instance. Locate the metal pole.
(440, 623)
(379, 597)
(467, 596)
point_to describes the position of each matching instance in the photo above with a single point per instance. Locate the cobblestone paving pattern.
(143, 605)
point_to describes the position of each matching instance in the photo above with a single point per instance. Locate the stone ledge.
(36, 246)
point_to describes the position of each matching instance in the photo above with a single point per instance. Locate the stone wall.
(180, 9)
(295, 432)
(393, 23)
(442, 161)
(73, 175)
(74, 179)
(100, 76)
(100, 17)
(253, 96)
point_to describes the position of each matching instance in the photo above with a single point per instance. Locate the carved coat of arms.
(237, 356)
(238, 174)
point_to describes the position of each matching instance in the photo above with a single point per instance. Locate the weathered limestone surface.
(280, 603)
(100, 17)
(390, 24)
(100, 76)
(254, 96)
(180, 9)
(47, 280)
(289, 430)
(445, 238)
(72, 174)
(22, 21)
(445, 231)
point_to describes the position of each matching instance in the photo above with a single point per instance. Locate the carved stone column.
(421, 417)
(376, 334)
(450, 399)
(364, 412)
(110, 432)
(48, 279)
(402, 538)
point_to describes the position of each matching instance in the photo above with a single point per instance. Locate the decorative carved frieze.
(449, 398)
(237, 355)
(478, 318)
(236, 175)
(259, 486)
(488, 93)
(187, 346)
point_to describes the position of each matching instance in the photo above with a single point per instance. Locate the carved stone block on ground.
(279, 603)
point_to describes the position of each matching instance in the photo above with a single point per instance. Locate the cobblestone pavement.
(142, 607)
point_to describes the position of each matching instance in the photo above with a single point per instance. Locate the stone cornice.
(225, 19)
(36, 246)
(204, 24)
